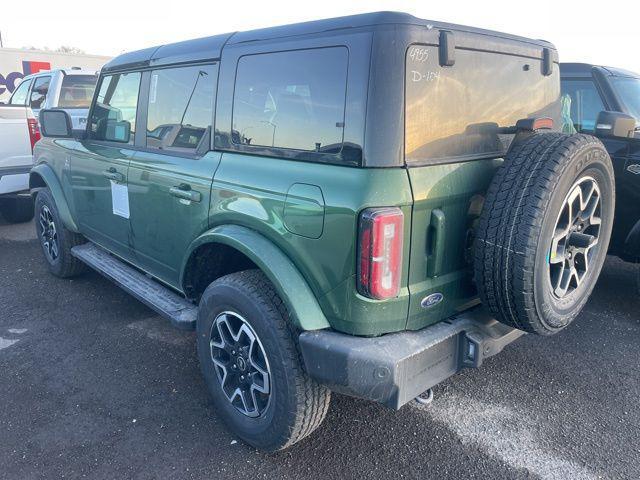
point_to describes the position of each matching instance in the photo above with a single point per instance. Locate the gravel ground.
(94, 384)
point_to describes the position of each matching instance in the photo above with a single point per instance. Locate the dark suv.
(589, 91)
(328, 203)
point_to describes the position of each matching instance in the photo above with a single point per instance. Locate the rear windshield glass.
(456, 113)
(77, 91)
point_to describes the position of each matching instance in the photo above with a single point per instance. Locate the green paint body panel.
(91, 193)
(304, 210)
(251, 191)
(162, 225)
(46, 172)
(291, 286)
(447, 202)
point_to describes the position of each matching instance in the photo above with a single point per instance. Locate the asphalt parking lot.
(94, 384)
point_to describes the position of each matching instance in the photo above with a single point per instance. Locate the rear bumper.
(396, 368)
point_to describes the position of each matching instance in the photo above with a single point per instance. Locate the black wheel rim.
(241, 364)
(575, 238)
(48, 234)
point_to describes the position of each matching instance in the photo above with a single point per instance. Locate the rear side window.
(77, 91)
(19, 96)
(113, 116)
(39, 91)
(582, 100)
(457, 113)
(181, 108)
(293, 100)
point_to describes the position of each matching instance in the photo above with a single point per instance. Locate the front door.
(101, 161)
(170, 178)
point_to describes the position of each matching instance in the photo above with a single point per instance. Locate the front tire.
(252, 366)
(55, 239)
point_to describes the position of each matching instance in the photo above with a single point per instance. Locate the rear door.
(170, 177)
(100, 163)
(453, 145)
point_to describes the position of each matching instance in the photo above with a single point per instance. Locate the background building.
(16, 63)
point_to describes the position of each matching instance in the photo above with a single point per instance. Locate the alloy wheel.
(575, 237)
(48, 233)
(240, 363)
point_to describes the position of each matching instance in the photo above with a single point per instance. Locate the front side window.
(582, 100)
(293, 100)
(181, 108)
(628, 89)
(113, 116)
(77, 91)
(19, 96)
(39, 92)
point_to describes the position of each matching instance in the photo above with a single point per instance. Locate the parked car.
(70, 90)
(590, 91)
(18, 134)
(327, 203)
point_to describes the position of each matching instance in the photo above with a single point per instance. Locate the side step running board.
(179, 311)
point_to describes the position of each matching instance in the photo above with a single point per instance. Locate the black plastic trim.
(396, 368)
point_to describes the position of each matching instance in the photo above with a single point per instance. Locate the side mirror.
(55, 123)
(118, 131)
(615, 124)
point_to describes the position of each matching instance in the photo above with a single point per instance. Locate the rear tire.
(17, 209)
(237, 308)
(539, 250)
(55, 239)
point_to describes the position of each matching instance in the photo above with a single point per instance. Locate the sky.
(606, 33)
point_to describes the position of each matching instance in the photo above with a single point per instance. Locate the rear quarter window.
(291, 100)
(455, 113)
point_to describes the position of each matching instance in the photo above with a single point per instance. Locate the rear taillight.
(380, 252)
(34, 131)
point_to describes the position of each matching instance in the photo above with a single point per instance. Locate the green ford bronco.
(364, 205)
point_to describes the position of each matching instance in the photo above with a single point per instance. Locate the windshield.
(628, 89)
(77, 91)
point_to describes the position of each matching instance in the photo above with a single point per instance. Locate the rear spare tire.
(544, 231)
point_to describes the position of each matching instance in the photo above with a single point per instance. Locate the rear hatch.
(454, 141)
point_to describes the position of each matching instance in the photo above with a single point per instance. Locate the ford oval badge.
(431, 300)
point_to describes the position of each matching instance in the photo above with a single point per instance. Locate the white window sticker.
(154, 88)
(120, 199)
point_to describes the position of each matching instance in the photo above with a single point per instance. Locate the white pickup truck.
(67, 89)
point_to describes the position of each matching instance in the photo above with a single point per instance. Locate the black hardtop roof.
(584, 70)
(209, 48)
